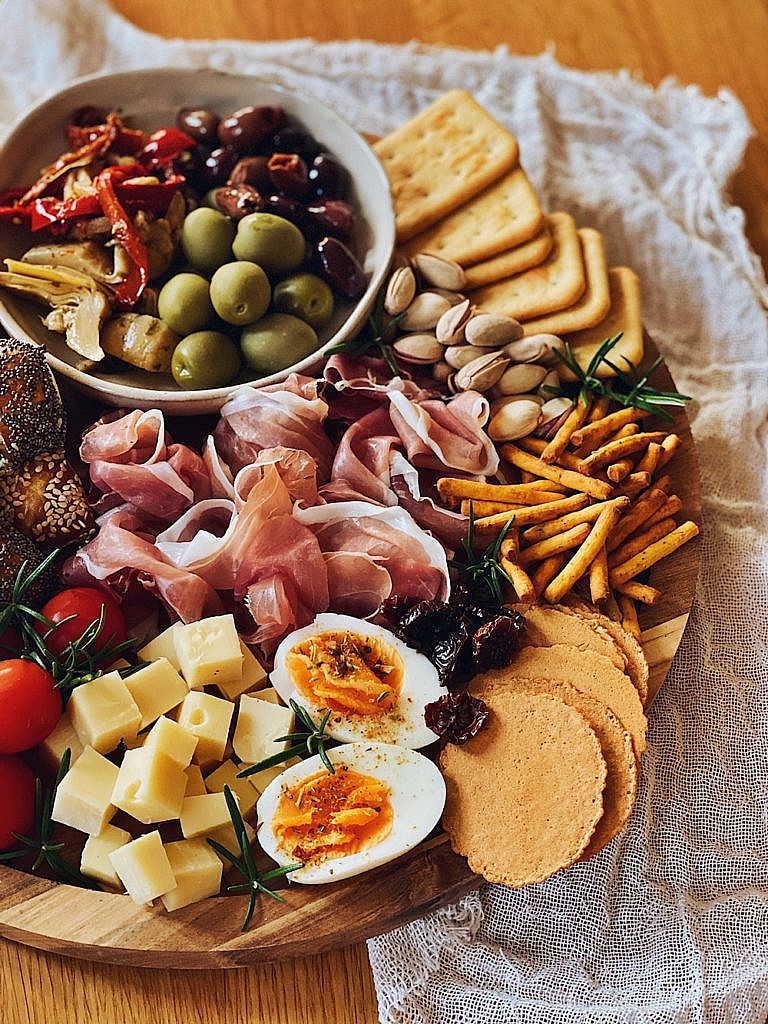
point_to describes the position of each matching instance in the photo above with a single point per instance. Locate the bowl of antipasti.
(367, 635)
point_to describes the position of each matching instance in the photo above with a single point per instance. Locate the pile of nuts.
(470, 350)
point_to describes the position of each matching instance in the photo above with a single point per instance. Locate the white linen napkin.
(670, 922)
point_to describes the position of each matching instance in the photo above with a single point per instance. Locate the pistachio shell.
(400, 291)
(521, 377)
(482, 373)
(424, 312)
(513, 421)
(450, 326)
(459, 355)
(418, 348)
(453, 297)
(550, 381)
(439, 272)
(499, 401)
(555, 407)
(491, 330)
(536, 348)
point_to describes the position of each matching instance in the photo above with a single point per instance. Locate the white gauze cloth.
(670, 922)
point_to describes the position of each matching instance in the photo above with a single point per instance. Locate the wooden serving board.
(110, 928)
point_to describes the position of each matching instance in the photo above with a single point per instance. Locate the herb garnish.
(17, 613)
(245, 864)
(305, 743)
(483, 571)
(376, 337)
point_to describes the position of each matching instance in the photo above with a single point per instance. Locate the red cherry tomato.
(10, 643)
(30, 705)
(82, 606)
(17, 808)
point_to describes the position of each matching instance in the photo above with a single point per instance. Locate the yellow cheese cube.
(203, 814)
(173, 740)
(197, 871)
(103, 712)
(143, 868)
(226, 775)
(133, 742)
(270, 694)
(253, 677)
(260, 780)
(62, 738)
(156, 688)
(195, 781)
(209, 652)
(95, 860)
(208, 718)
(149, 786)
(226, 836)
(163, 646)
(258, 723)
(84, 796)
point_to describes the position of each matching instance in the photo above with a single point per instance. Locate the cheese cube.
(95, 860)
(253, 677)
(143, 868)
(208, 718)
(195, 781)
(209, 652)
(133, 742)
(197, 871)
(226, 775)
(203, 814)
(149, 786)
(163, 646)
(258, 723)
(84, 795)
(62, 738)
(156, 689)
(270, 694)
(103, 712)
(227, 838)
(260, 780)
(173, 740)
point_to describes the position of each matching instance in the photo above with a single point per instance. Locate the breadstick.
(537, 446)
(650, 502)
(510, 563)
(598, 577)
(575, 481)
(669, 445)
(486, 508)
(584, 556)
(584, 515)
(664, 482)
(452, 490)
(554, 545)
(595, 433)
(671, 507)
(653, 553)
(599, 409)
(629, 616)
(650, 460)
(641, 541)
(556, 447)
(546, 572)
(614, 450)
(639, 592)
(633, 484)
(532, 514)
(618, 470)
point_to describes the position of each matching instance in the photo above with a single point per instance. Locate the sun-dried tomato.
(495, 644)
(456, 717)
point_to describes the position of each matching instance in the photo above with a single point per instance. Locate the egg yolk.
(347, 672)
(332, 815)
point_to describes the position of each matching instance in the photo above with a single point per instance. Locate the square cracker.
(503, 215)
(556, 284)
(443, 157)
(514, 261)
(593, 305)
(625, 314)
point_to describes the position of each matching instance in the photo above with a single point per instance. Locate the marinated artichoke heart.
(78, 304)
(141, 340)
(161, 235)
(85, 257)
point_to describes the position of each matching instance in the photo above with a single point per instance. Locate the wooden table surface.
(709, 42)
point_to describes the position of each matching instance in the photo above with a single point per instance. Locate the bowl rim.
(130, 392)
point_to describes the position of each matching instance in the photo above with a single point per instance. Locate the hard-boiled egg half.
(375, 686)
(379, 802)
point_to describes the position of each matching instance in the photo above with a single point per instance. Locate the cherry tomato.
(17, 808)
(10, 643)
(82, 606)
(30, 705)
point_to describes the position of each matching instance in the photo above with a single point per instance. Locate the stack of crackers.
(460, 192)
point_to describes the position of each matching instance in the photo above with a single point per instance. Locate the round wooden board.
(110, 928)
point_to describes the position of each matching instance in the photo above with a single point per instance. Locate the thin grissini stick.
(575, 418)
(486, 508)
(618, 470)
(536, 446)
(671, 507)
(641, 541)
(669, 445)
(614, 450)
(510, 563)
(597, 432)
(585, 515)
(653, 554)
(546, 572)
(663, 483)
(639, 592)
(628, 430)
(632, 485)
(583, 556)
(650, 460)
(599, 409)
(629, 615)
(526, 477)
(600, 489)
(554, 545)
(452, 490)
(532, 514)
(598, 577)
(611, 608)
(633, 520)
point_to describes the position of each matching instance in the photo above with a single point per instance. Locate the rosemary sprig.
(483, 568)
(308, 741)
(255, 883)
(629, 388)
(376, 337)
(40, 843)
(17, 612)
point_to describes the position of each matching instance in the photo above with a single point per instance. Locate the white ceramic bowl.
(150, 99)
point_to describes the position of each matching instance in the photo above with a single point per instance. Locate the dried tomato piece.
(495, 644)
(456, 717)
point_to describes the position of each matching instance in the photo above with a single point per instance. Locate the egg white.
(417, 795)
(404, 724)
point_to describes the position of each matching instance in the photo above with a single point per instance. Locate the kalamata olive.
(198, 122)
(218, 166)
(252, 170)
(86, 117)
(340, 268)
(237, 201)
(294, 140)
(333, 216)
(289, 174)
(246, 127)
(283, 206)
(327, 177)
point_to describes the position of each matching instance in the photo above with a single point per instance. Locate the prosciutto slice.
(361, 466)
(439, 435)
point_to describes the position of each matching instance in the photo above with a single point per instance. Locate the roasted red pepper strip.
(123, 231)
(14, 213)
(153, 196)
(90, 151)
(127, 141)
(165, 146)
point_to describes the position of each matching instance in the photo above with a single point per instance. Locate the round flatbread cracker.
(524, 797)
(556, 624)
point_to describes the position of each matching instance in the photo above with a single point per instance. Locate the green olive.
(305, 296)
(240, 292)
(272, 242)
(276, 342)
(205, 359)
(184, 303)
(206, 239)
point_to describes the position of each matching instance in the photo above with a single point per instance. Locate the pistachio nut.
(441, 372)
(459, 355)
(418, 348)
(482, 373)
(492, 330)
(439, 272)
(453, 297)
(450, 326)
(400, 291)
(536, 348)
(555, 407)
(499, 401)
(521, 377)
(424, 311)
(513, 421)
(551, 380)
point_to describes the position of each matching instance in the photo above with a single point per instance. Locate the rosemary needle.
(310, 741)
